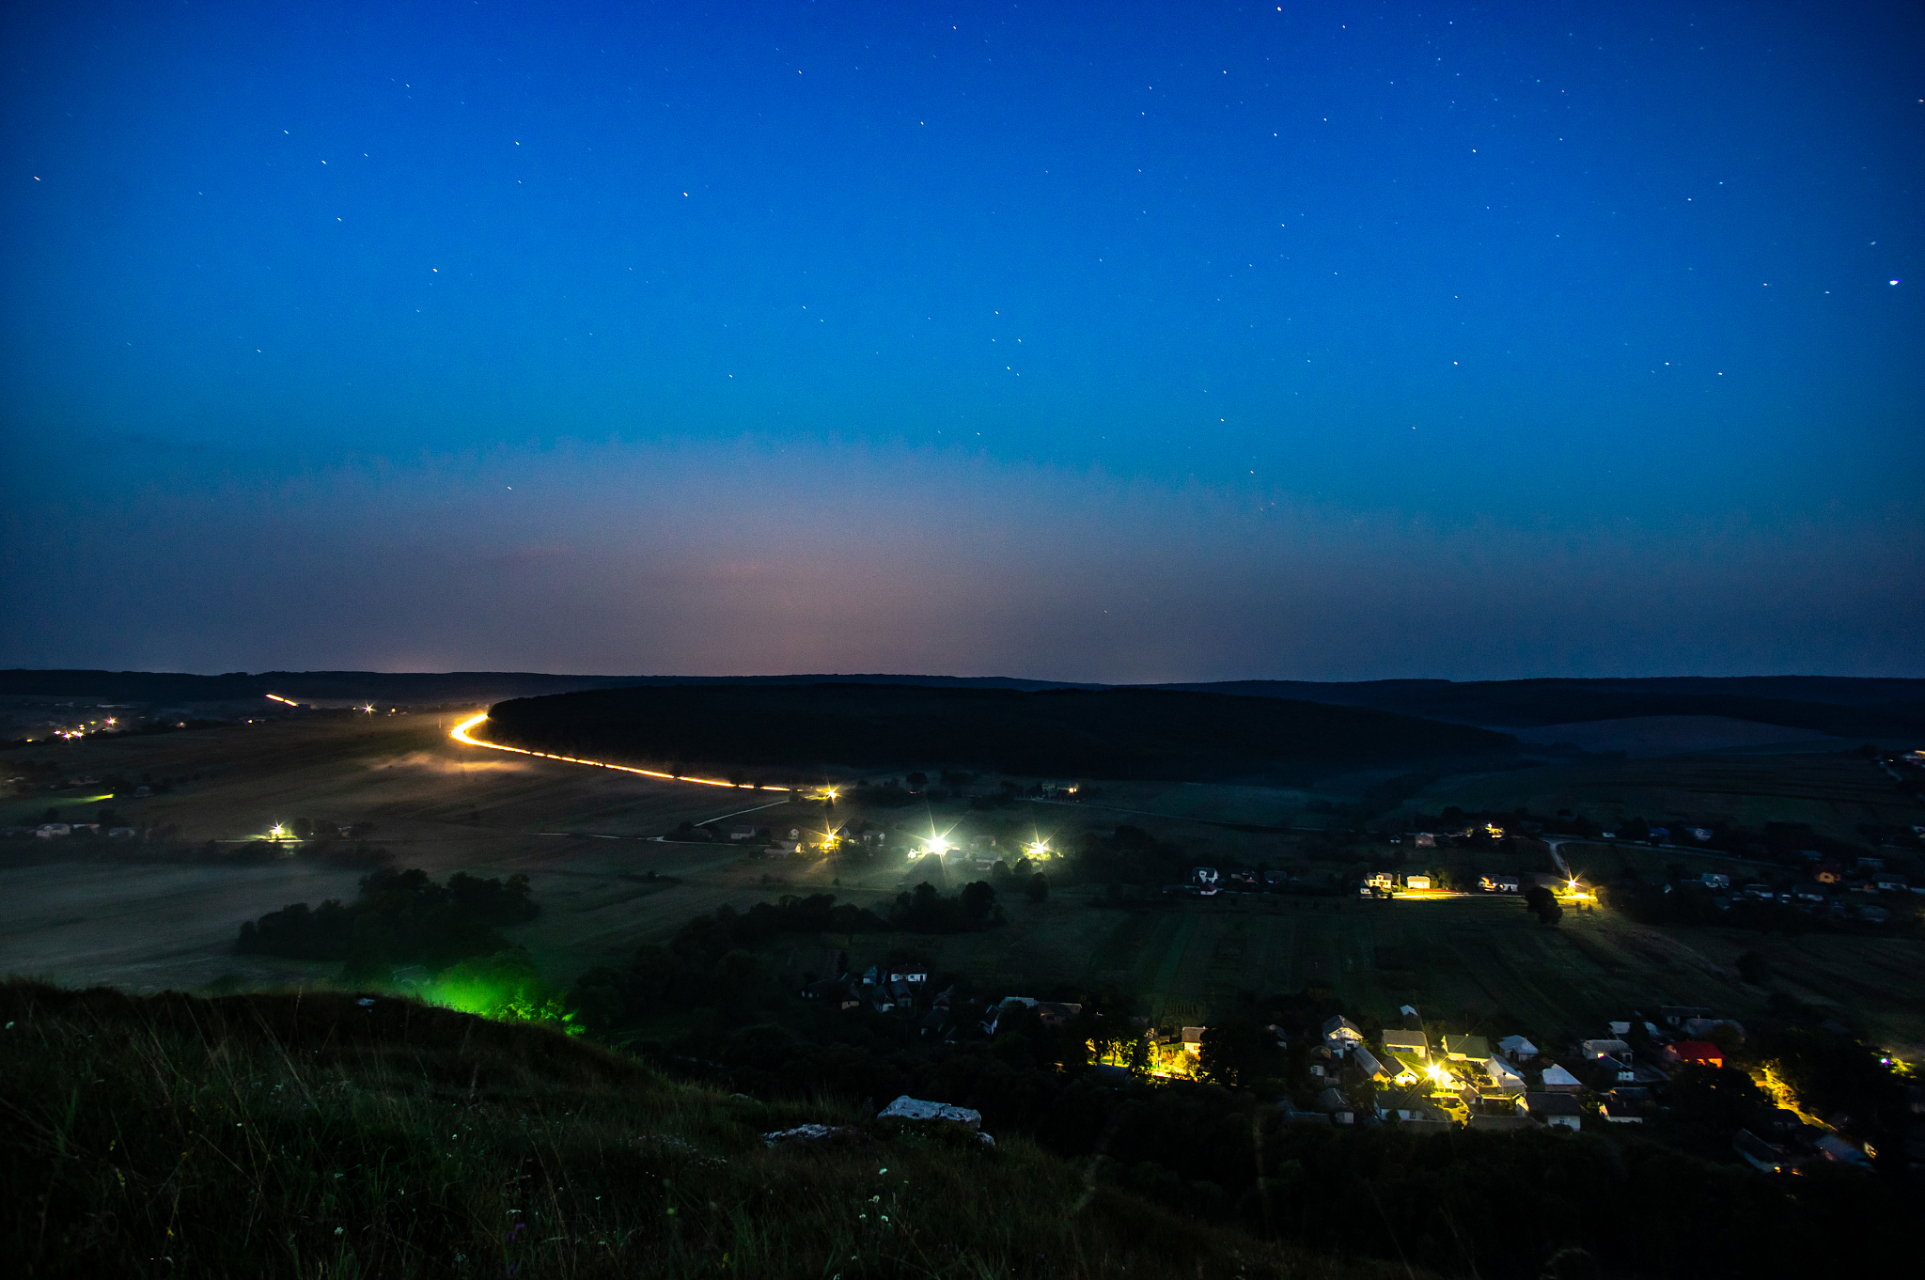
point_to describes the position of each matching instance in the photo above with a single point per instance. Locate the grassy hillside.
(1113, 733)
(311, 1135)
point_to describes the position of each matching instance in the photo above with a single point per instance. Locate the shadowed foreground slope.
(307, 1135)
(1108, 733)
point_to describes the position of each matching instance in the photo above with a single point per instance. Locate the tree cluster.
(399, 917)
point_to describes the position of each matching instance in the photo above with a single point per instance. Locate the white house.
(1416, 882)
(1340, 1033)
(1595, 1049)
(1558, 1080)
(1407, 1044)
(1516, 1048)
(1504, 1074)
(1368, 1061)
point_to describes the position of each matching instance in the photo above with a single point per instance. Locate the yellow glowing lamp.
(278, 832)
(1037, 849)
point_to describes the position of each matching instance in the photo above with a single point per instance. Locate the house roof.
(1407, 1043)
(1467, 1046)
(1552, 1104)
(1502, 1122)
(1341, 1025)
(1557, 1077)
(1518, 1045)
(1402, 1062)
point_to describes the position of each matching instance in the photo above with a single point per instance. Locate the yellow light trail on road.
(278, 698)
(460, 734)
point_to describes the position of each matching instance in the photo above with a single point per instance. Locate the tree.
(978, 900)
(1542, 903)
(1231, 1052)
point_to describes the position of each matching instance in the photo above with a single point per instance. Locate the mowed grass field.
(87, 913)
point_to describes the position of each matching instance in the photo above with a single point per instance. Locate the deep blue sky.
(1104, 341)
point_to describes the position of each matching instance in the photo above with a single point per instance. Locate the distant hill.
(1070, 733)
(1823, 705)
(1829, 706)
(410, 687)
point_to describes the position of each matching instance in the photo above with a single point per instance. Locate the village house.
(1366, 1062)
(1559, 1110)
(1837, 1150)
(1333, 1104)
(1594, 1049)
(1504, 1076)
(1557, 1080)
(1404, 1072)
(1053, 1013)
(1416, 882)
(1340, 1034)
(1516, 1048)
(1697, 1053)
(936, 1021)
(1466, 1048)
(1407, 1044)
(1758, 1153)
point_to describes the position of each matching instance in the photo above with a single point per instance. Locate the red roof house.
(1697, 1052)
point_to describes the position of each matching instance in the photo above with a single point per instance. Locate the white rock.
(908, 1108)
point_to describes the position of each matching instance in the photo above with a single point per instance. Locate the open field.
(84, 913)
(1480, 957)
(1833, 792)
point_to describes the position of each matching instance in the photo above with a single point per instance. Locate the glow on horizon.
(460, 733)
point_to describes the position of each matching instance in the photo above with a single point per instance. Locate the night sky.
(1110, 342)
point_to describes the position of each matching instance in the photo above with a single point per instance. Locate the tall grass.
(311, 1135)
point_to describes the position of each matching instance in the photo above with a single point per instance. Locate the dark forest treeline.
(1112, 733)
